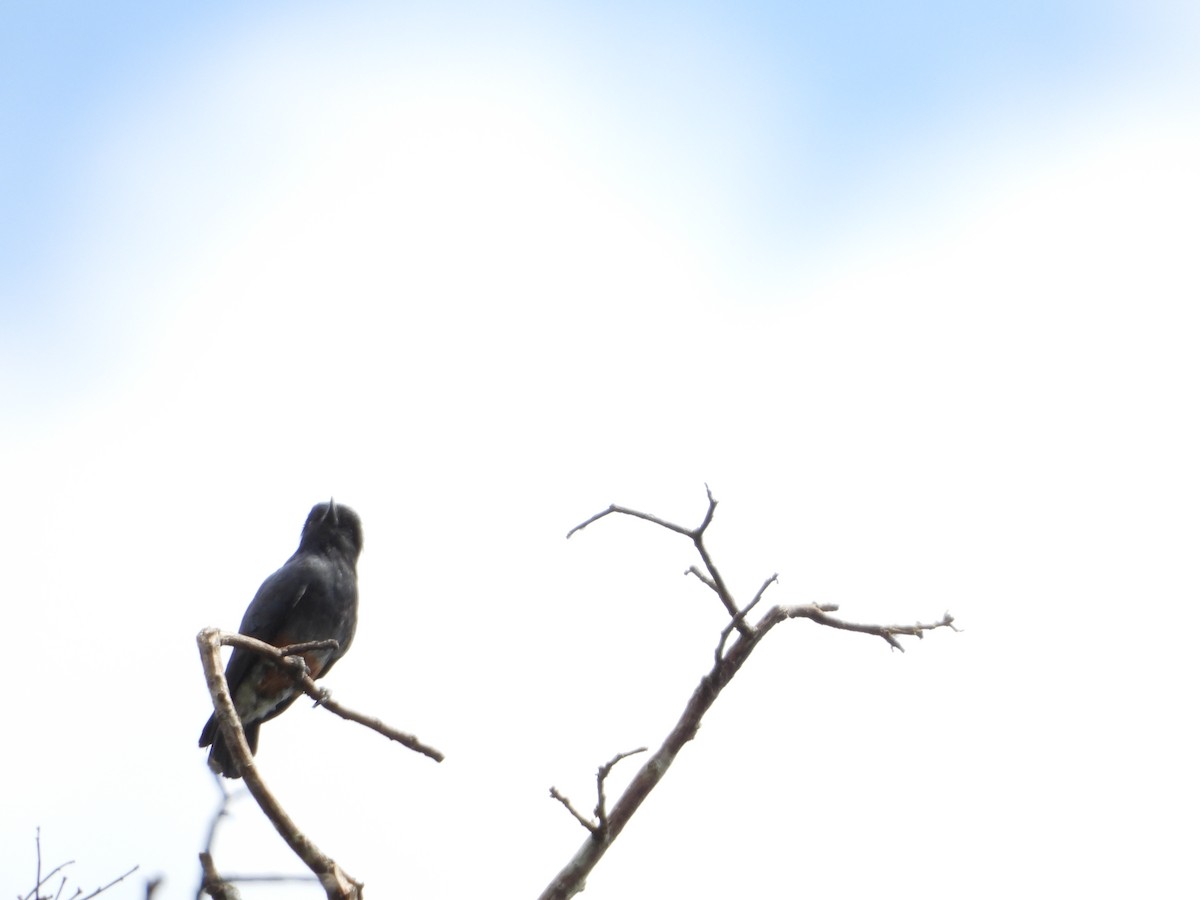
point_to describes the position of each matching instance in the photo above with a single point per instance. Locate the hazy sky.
(912, 286)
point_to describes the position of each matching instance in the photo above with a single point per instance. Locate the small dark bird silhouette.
(313, 597)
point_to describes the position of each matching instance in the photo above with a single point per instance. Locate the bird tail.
(220, 758)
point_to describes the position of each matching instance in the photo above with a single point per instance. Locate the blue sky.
(795, 116)
(912, 286)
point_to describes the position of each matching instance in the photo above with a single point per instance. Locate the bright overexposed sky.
(912, 286)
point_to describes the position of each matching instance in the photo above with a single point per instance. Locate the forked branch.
(710, 576)
(728, 658)
(337, 884)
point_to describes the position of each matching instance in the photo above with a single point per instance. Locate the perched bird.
(313, 597)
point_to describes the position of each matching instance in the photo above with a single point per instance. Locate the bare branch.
(726, 664)
(820, 614)
(696, 535)
(400, 737)
(41, 879)
(741, 616)
(337, 884)
(298, 649)
(288, 659)
(117, 880)
(623, 510)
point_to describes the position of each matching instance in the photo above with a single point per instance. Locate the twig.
(288, 659)
(117, 880)
(306, 646)
(601, 776)
(626, 511)
(741, 616)
(580, 817)
(600, 825)
(696, 535)
(400, 737)
(37, 842)
(819, 613)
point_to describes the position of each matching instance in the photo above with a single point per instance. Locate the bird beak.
(332, 512)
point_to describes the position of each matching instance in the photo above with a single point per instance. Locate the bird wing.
(268, 613)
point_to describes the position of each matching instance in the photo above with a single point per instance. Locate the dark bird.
(313, 597)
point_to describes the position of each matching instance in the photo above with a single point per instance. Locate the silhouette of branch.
(727, 661)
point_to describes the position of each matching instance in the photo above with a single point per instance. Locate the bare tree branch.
(696, 535)
(400, 737)
(726, 663)
(337, 884)
(289, 659)
(333, 879)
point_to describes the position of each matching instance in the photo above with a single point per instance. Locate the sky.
(911, 286)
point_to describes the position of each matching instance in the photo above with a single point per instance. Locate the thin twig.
(713, 577)
(412, 742)
(626, 511)
(117, 880)
(42, 879)
(741, 616)
(288, 660)
(37, 841)
(601, 776)
(579, 817)
(306, 646)
(692, 570)
(819, 613)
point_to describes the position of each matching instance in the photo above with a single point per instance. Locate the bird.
(312, 597)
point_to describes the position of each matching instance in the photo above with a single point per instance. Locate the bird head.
(333, 526)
